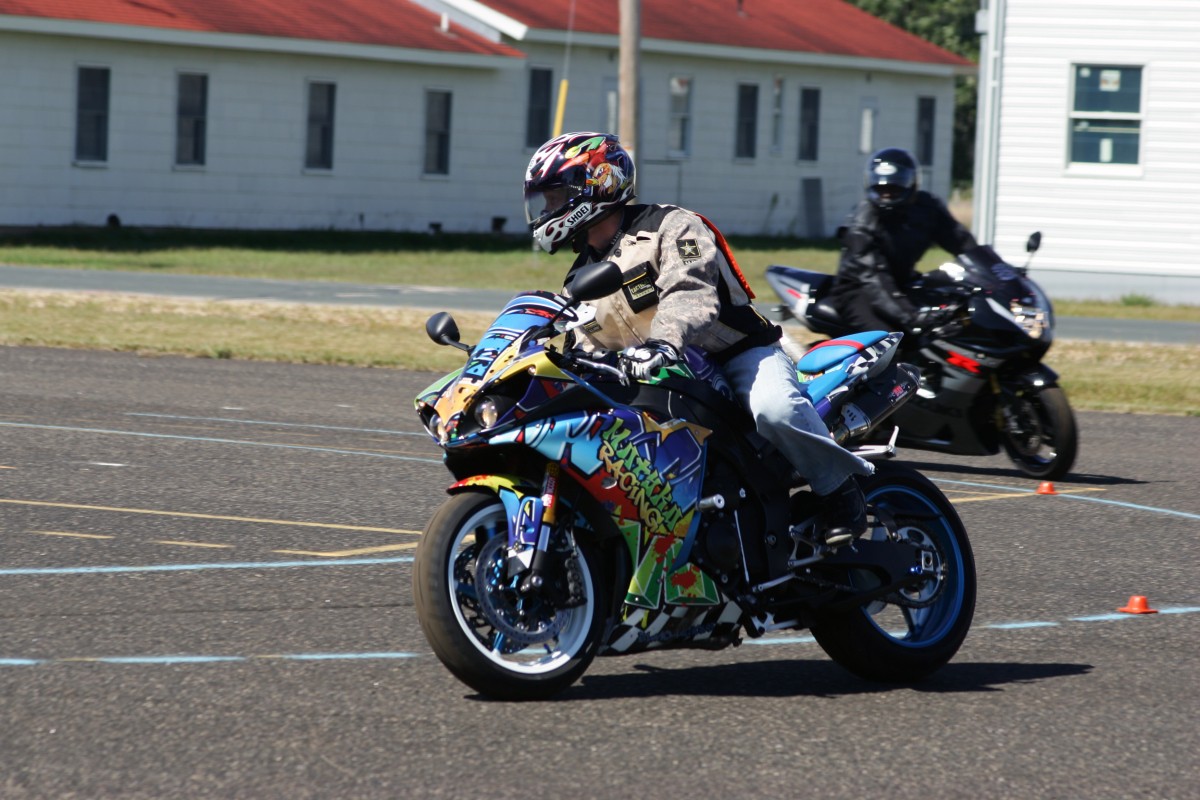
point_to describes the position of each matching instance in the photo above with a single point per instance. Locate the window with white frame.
(318, 150)
(1106, 114)
(191, 119)
(746, 135)
(866, 127)
(437, 132)
(777, 114)
(91, 114)
(537, 121)
(679, 127)
(810, 123)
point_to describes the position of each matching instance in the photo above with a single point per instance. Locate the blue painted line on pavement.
(344, 656)
(218, 441)
(338, 562)
(1106, 501)
(1009, 626)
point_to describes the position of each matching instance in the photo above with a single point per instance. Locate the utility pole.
(627, 86)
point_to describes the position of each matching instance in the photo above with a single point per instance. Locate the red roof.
(391, 23)
(831, 27)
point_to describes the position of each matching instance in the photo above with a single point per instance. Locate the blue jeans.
(764, 380)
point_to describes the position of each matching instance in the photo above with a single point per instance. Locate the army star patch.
(688, 250)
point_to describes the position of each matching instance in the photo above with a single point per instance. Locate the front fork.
(530, 538)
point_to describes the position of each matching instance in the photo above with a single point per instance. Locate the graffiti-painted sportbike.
(592, 515)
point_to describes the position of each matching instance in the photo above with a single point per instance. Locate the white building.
(1087, 131)
(398, 115)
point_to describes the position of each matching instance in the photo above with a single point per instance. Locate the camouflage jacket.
(680, 288)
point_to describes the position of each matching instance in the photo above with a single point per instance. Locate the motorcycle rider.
(683, 287)
(882, 241)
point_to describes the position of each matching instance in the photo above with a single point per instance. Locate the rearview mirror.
(1035, 241)
(593, 281)
(442, 328)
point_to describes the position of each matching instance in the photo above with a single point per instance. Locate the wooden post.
(627, 87)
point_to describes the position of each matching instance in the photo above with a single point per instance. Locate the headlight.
(1033, 319)
(486, 413)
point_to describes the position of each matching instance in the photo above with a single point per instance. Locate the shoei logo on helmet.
(578, 214)
(885, 169)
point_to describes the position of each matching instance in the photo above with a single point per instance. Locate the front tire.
(501, 643)
(910, 634)
(1040, 434)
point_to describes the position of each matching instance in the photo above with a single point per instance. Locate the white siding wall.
(760, 195)
(254, 176)
(1144, 222)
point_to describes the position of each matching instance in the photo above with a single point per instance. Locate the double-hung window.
(437, 132)
(1106, 114)
(810, 123)
(91, 114)
(746, 133)
(537, 119)
(679, 128)
(318, 152)
(191, 119)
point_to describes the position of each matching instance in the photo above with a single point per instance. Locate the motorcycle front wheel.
(1039, 433)
(497, 640)
(908, 634)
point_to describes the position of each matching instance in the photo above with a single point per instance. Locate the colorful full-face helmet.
(572, 181)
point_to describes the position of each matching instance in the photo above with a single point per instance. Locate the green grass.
(453, 260)
(1164, 379)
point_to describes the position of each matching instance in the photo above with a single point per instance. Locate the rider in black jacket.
(882, 241)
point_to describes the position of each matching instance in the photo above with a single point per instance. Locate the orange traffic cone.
(1138, 605)
(1046, 487)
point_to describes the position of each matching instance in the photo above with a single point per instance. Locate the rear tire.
(1040, 435)
(907, 636)
(500, 643)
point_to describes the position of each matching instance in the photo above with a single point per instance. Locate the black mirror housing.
(593, 281)
(442, 329)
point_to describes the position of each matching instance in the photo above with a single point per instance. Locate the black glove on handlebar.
(931, 317)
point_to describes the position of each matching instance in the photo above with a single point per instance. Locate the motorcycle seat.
(831, 352)
(823, 312)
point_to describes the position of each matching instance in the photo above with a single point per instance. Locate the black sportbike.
(983, 384)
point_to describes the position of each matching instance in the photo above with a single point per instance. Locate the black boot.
(843, 514)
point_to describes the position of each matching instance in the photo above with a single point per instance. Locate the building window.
(866, 128)
(610, 96)
(91, 114)
(747, 120)
(679, 127)
(318, 153)
(925, 113)
(810, 123)
(191, 117)
(777, 115)
(437, 133)
(537, 120)
(1106, 114)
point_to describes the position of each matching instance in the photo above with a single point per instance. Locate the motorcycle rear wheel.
(906, 636)
(1040, 434)
(499, 642)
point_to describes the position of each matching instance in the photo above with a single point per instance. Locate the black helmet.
(892, 178)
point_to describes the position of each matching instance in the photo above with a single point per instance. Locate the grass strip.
(1162, 379)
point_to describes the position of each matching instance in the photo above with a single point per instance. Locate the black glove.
(642, 362)
(931, 317)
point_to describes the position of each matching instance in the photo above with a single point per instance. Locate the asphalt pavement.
(437, 298)
(206, 592)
